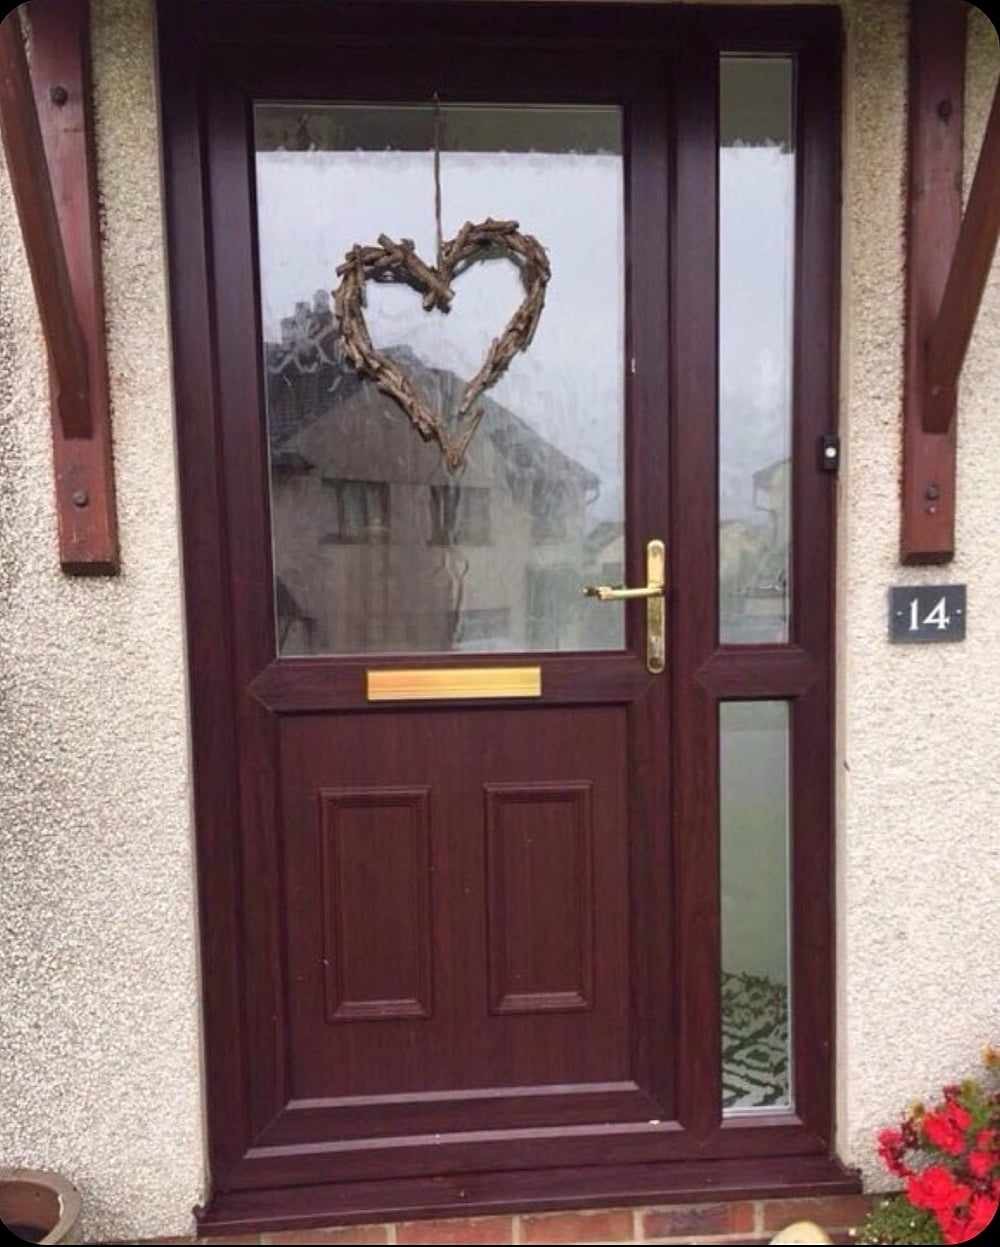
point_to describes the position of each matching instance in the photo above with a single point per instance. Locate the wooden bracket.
(963, 292)
(948, 262)
(47, 127)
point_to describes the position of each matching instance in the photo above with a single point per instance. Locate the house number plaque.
(922, 613)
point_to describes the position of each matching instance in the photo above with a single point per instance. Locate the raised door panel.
(540, 897)
(376, 903)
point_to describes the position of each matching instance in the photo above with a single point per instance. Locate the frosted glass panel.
(377, 547)
(756, 1049)
(756, 272)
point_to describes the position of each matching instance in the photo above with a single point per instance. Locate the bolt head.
(80, 498)
(58, 95)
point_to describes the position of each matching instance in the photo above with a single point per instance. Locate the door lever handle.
(656, 608)
(619, 593)
(655, 585)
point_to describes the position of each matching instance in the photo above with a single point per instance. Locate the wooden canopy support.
(948, 263)
(47, 128)
(963, 292)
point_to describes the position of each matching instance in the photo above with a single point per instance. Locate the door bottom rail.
(749, 1198)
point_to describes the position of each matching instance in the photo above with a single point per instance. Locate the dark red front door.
(459, 822)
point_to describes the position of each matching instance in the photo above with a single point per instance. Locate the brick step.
(743, 1221)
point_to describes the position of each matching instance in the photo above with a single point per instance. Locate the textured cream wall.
(918, 866)
(99, 1029)
(99, 1056)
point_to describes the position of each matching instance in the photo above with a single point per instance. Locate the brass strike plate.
(454, 683)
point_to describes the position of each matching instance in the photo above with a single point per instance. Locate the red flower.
(890, 1149)
(953, 1229)
(940, 1130)
(980, 1163)
(934, 1189)
(953, 1214)
(959, 1117)
(982, 1210)
(985, 1141)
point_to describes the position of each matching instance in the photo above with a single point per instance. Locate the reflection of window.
(292, 617)
(548, 510)
(460, 516)
(360, 512)
(484, 625)
(553, 605)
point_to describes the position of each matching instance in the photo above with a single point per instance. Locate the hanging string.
(438, 130)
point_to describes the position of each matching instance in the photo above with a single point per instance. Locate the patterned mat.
(754, 1041)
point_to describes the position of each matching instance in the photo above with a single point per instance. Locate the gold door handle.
(618, 593)
(653, 591)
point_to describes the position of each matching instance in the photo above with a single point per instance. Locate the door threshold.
(524, 1191)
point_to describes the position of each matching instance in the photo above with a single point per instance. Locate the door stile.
(215, 753)
(245, 467)
(694, 594)
(647, 386)
(814, 571)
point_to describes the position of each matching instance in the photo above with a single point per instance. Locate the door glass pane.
(756, 308)
(756, 1050)
(377, 546)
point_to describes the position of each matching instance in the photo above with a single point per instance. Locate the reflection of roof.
(765, 476)
(307, 378)
(603, 534)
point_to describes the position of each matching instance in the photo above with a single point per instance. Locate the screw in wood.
(58, 95)
(81, 498)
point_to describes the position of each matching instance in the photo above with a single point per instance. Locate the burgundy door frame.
(738, 1156)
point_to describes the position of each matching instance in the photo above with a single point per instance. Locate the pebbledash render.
(101, 1057)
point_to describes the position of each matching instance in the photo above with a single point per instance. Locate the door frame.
(738, 1156)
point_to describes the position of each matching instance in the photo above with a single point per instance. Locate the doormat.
(754, 1041)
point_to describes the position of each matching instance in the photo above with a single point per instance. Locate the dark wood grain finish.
(693, 582)
(376, 863)
(694, 1181)
(62, 239)
(210, 643)
(34, 195)
(934, 195)
(813, 747)
(603, 1084)
(755, 671)
(540, 896)
(967, 277)
(304, 685)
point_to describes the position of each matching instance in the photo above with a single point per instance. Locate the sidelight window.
(756, 305)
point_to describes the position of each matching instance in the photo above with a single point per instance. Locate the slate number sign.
(923, 613)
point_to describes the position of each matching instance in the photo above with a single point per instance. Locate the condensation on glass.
(377, 548)
(756, 990)
(756, 314)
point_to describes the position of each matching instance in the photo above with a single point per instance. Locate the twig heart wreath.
(398, 262)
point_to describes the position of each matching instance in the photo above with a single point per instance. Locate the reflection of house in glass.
(378, 548)
(754, 563)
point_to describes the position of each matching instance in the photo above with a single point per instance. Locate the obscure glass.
(377, 548)
(756, 1048)
(756, 309)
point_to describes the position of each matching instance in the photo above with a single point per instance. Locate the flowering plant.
(949, 1157)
